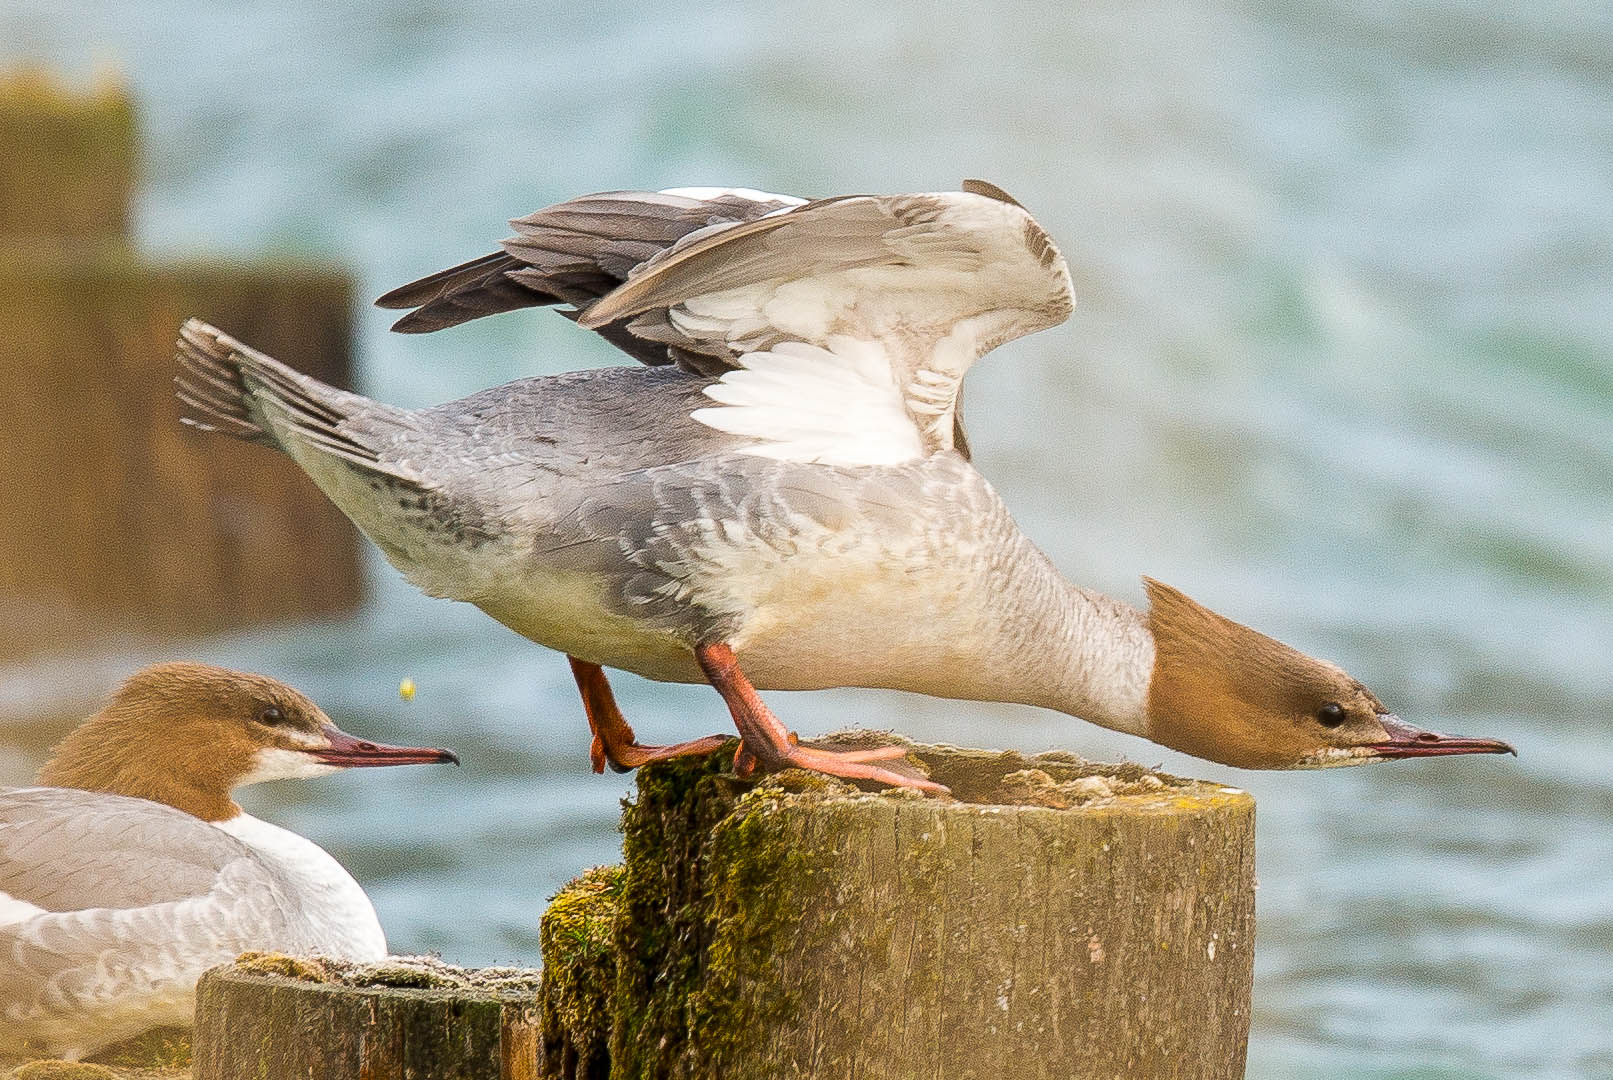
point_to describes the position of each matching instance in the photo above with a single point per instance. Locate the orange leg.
(765, 743)
(614, 744)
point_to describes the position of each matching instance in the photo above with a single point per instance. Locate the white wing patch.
(835, 405)
(13, 910)
(924, 284)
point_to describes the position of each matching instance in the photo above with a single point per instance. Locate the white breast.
(338, 916)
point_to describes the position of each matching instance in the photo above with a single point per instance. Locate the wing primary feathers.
(572, 253)
(431, 286)
(727, 283)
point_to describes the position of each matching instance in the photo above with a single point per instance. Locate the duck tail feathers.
(232, 388)
(211, 384)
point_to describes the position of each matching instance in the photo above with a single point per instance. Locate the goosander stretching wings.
(134, 871)
(784, 499)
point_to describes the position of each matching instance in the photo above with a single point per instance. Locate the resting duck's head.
(187, 734)
(1230, 694)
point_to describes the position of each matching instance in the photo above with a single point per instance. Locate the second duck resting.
(782, 498)
(130, 870)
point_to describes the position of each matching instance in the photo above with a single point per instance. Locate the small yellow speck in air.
(406, 689)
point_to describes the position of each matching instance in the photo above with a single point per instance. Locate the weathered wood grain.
(279, 1027)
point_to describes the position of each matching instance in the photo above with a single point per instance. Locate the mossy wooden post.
(1058, 920)
(117, 519)
(259, 1024)
(579, 975)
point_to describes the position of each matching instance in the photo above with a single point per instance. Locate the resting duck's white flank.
(133, 871)
(786, 503)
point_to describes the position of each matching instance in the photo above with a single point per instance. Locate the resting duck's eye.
(271, 715)
(1331, 714)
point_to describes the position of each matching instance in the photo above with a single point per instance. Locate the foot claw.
(766, 745)
(630, 756)
(852, 765)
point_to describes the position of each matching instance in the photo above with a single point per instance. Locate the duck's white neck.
(1072, 649)
(331, 903)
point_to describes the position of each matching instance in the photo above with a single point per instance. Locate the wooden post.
(277, 1018)
(117, 520)
(1060, 919)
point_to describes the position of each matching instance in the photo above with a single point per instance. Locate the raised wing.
(847, 324)
(575, 252)
(840, 329)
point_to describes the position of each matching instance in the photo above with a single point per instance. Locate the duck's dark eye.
(1331, 714)
(271, 715)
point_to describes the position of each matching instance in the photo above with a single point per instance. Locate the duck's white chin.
(1336, 757)
(275, 763)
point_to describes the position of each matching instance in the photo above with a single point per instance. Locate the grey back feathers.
(125, 875)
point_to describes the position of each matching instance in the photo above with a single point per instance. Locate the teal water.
(1342, 368)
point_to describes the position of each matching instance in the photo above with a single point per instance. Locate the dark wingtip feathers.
(426, 289)
(990, 191)
(461, 293)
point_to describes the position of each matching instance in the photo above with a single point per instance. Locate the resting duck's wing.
(843, 327)
(575, 252)
(103, 896)
(62, 849)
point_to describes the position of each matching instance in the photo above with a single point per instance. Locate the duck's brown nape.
(115, 753)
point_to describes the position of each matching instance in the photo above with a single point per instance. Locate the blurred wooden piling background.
(1057, 920)
(117, 520)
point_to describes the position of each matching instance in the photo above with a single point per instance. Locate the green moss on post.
(160, 1055)
(711, 890)
(158, 1048)
(1058, 919)
(579, 970)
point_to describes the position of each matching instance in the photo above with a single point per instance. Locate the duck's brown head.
(187, 734)
(1230, 694)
